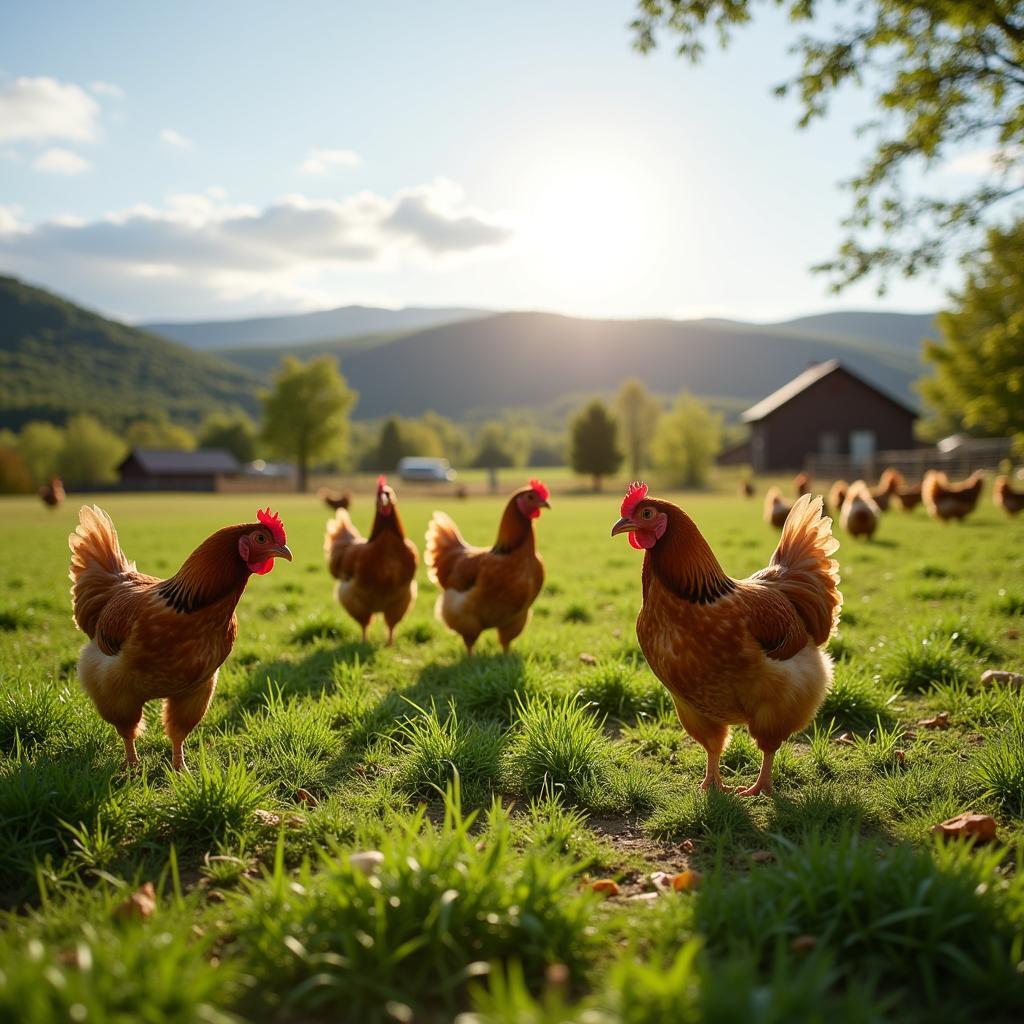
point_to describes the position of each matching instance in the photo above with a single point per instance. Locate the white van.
(414, 468)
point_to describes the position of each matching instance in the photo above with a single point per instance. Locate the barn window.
(828, 443)
(862, 447)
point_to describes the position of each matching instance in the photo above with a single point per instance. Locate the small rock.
(685, 881)
(307, 798)
(617, 633)
(980, 827)
(588, 659)
(215, 896)
(762, 856)
(803, 943)
(605, 886)
(662, 881)
(369, 861)
(140, 905)
(940, 721)
(557, 975)
(992, 677)
(976, 739)
(686, 846)
(644, 896)
(268, 819)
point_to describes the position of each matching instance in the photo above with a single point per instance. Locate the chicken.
(374, 574)
(888, 484)
(776, 508)
(947, 501)
(335, 499)
(152, 639)
(736, 651)
(837, 495)
(489, 588)
(908, 496)
(860, 512)
(1009, 500)
(52, 493)
(746, 489)
(802, 484)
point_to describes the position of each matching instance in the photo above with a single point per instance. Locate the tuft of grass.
(1009, 603)
(37, 715)
(623, 692)
(695, 812)
(558, 744)
(317, 629)
(915, 664)
(998, 767)
(854, 700)
(577, 613)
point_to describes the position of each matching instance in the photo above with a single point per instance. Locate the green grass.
(562, 762)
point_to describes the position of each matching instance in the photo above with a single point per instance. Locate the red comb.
(636, 493)
(382, 482)
(541, 491)
(272, 521)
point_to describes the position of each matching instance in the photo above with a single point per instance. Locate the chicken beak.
(282, 552)
(545, 504)
(624, 525)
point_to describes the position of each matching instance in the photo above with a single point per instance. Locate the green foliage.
(305, 416)
(159, 433)
(958, 83)
(40, 445)
(91, 453)
(232, 431)
(637, 413)
(593, 450)
(15, 477)
(493, 450)
(686, 442)
(978, 378)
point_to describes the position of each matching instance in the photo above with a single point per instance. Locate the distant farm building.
(827, 414)
(151, 469)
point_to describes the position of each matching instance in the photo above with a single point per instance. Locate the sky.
(211, 161)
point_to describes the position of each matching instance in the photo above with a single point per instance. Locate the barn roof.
(807, 379)
(202, 462)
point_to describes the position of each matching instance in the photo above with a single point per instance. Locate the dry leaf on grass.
(140, 905)
(940, 721)
(992, 677)
(605, 886)
(307, 798)
(368, 861)
(803, 943)
(686, 881)
(980, 827)
(762, 856)
(588, 659)
(846, 738)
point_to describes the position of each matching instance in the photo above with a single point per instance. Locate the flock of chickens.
(859, 506)
(729, 651)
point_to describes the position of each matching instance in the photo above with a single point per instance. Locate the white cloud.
(984, 162)
(199, 251)
(60, 161)
(175, 139)
(217, 192)
(320, 161)
(107, 89)
(36, 109)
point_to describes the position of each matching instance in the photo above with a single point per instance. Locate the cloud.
(60, 161)
(320, 161)
(175, 139)
(986, 162)
(201, 249)
(107, 89)
(37, 109)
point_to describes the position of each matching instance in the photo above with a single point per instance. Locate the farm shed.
(151, 469)
(828, 411)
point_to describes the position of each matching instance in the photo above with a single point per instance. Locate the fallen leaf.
(557, 975)
(976, 739)
(845, 738)
(605, 886)
(588, 659)
(661, 880)
(901, 756)
(368, 861)
(307, 798)
(803, 943)
(140, 905)
(686, 880)
(992, 677)
(215, 896)
(1012, 634)
(981, 827)
(686, 846)
(940, 721)
(762, 856)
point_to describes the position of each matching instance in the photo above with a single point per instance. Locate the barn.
(153, 469)
(828, 412)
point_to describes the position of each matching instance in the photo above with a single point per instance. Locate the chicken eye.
(261, 538)
(647, 513)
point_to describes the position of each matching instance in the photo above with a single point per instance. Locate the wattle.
(261, 568)
(643, 539)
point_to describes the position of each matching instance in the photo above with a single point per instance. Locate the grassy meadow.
(828, 901)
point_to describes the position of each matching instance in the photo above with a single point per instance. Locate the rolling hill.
(57, 359)
(343, 322)
(532, 359)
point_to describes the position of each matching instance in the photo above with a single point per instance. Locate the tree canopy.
(947, 78)
(978, 378)
(233, 431)
(686, 442)
(305, 416)
(593, 447)
(637, 412)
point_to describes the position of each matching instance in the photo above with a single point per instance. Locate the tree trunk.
(302, 475)
(597, 484)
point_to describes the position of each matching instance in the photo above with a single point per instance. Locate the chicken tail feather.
(804, 569)
(444, 547)
(340, 534)
(97, 565)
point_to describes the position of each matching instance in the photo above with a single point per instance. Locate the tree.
(15, 477)
(389, 448)
(91, 452)
(593, 450)
(305, 416)
(637, 413)
(978, 378)
(40, 445)
(233, 431)
(687, 439)
(159, 433)
(493, 451)
(946, 76)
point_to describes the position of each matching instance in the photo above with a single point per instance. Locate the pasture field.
(828, 901)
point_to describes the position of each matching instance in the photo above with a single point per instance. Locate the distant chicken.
(888, 484)
(802, 484)
(489, 588)
(335, 499)
(746, 489)
(908, 496)
(860, 513)
(736, 651)
(1009, 500)
(947, 501)
(374, 574)
(836, 496)
(776, 508)
(153, 639)
(52, 493)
